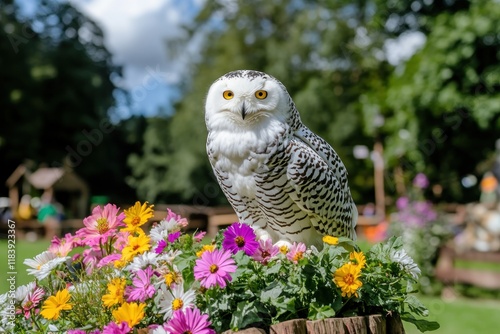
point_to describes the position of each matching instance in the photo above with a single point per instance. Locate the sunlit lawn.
(457, 316)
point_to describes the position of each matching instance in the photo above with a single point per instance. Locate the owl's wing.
(318, 180)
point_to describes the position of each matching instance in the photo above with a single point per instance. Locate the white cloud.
(136, 33)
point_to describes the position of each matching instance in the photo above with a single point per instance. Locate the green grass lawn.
(461, 316)
(24, 250)
(457, 317)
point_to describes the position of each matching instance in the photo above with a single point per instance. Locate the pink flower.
(266, 251)
(142, 288)
(61, 247)
(190, 321)
(90, 259)
(108, 259)
(161, 246)
(181, 222)
(31, 300)
(121, 240)
(101, 224)
(113, 328)
(198, 237)
(296, 252)
(214, 268)
(238, 237)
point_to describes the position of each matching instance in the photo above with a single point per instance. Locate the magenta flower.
(421, 181)
(173, 236)
(161, 246)
(101, 224)
(296, 252)
(31, 300)
(238, 237)
(266, 251)
(214, 268)
(190, 321)
(141, 288)
(113, 328)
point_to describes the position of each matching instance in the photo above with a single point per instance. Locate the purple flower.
(238, 237)
(421, 181)
(173, 236)
(142, 288)
(266, 251)
(113, 328)
(190, 321)
(161, 246)
(214, 268)
(402, 203)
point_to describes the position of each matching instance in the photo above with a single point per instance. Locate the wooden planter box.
(373, 324)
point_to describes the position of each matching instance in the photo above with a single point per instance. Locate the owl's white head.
(246, 99)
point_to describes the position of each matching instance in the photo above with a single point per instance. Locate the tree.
(320, 51)
(56, 93)
(442, 105)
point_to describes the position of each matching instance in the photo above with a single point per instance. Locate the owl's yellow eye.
(261, 94)
(228, 95)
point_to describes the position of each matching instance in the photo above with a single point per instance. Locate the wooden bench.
(448, 272)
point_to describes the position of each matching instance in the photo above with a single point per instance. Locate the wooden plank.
(376, 324)
(484, 279)
(394, 324)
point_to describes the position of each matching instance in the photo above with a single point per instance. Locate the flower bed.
(112, 277)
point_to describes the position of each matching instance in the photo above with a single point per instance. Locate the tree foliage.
(57, 88)
(321, 53)
(442, 105)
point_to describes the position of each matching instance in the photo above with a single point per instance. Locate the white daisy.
(23, 290)
(163, 229)
(406, 263)
(43, 264)
(175, 299)
(142, 261)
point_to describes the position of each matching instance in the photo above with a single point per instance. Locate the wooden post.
(378, 162)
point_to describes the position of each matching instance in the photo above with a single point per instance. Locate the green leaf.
(416, 306)
(273, 291)
(317, 312)
(421, 324)
(245, 314)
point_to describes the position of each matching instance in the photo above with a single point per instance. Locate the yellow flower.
(284, 249)
(135, 245)
(53, 306)
(172, 277)
(205, 248)
(131, 313)
(116, 289)
(358, 258)
(136, 216)
(347, 279)
(328, 239)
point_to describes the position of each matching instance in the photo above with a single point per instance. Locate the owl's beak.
(243, 110)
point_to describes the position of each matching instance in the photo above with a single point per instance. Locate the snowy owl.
(280, 178)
